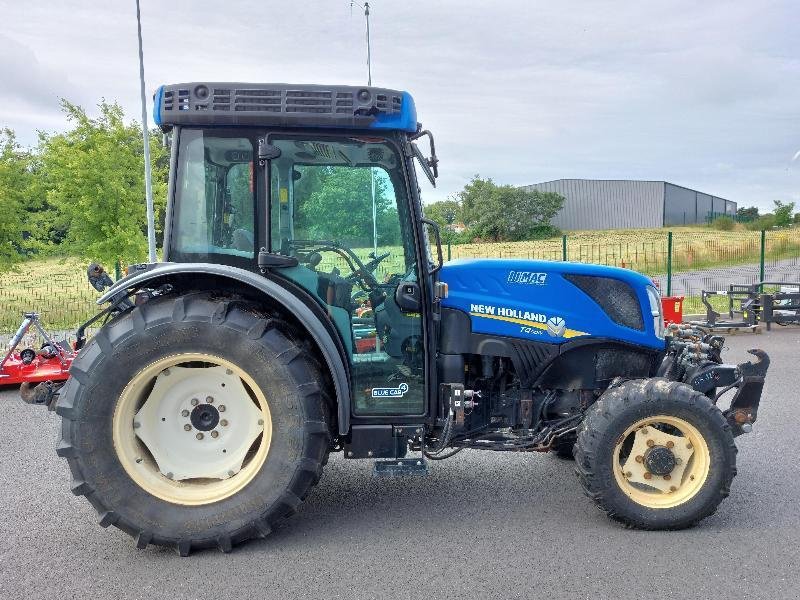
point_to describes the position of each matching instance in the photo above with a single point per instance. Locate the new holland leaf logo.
(556, 326)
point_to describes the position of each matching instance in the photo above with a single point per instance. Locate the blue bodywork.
(405, 121)
(530, 299)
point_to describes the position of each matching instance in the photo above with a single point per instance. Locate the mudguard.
(315, 327)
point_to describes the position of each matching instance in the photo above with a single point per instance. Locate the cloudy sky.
(703, 94)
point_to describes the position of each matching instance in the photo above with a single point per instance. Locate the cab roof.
(284, 105)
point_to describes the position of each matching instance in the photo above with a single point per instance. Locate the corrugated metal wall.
(598, 204)
(683, 206)
(680, 205)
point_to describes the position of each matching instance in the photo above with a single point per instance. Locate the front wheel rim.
(645, 452)
(192, 429)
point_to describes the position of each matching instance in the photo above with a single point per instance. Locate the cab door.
(339, 205)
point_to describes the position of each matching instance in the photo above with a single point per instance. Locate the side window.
(214, 200)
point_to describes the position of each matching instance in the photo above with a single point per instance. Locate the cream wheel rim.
(650, 482)
(192, 429)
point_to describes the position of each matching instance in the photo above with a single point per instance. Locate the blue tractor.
(303, 308)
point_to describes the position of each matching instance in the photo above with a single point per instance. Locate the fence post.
(669, 263)
(564, 247)
(763, 252)
(448, 250)
(117, 270)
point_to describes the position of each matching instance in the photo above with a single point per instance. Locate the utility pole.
(369, 58)
(371, 170)
(148, 182)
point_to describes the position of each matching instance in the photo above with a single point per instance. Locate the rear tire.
(637, 417)
(279, 469)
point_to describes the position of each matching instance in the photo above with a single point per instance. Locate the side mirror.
(433, 225)
(407, 296)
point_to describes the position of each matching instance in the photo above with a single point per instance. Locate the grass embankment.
(56, 288)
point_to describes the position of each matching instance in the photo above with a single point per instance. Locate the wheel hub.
(659, 460)
(204, 417)
(198, 423)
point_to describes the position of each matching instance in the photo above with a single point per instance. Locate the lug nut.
(650, 443)
(221, 408)
(195, 401)
(648, 475)
(667, 477)
(228, 372)
(628, 474)
(670, 444)
(689, 446)
(678, 461)
(199, 436)
(640, 459)
(224, 422)
(184, 413)
(209, 399)
(644, 429)
(187, 427)
(215, 434)
(672, 488)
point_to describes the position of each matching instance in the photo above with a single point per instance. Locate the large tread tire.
(623, 405)
(263, 346)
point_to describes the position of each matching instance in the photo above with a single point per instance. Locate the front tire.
(194, 422)
(655, 454)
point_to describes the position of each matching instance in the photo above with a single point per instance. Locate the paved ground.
(691, 283)
(480, 526)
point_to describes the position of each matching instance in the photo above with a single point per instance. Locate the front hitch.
(743, 410)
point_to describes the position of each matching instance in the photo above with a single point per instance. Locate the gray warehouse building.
(629, 204)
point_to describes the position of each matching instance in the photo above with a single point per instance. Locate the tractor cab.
(315, 187)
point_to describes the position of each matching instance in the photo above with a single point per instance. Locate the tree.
(94, 177)
(746, 215)
(784, 213)
(336, 203)
(15, 184)
(444, 212)
(507, 213)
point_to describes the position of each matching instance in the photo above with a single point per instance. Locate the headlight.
(656, 311)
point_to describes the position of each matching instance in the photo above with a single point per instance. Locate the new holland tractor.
(300, 310)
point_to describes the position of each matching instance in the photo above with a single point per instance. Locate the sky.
(701, 94)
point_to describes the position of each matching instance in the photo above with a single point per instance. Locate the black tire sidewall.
(162, 336)
(681, 402)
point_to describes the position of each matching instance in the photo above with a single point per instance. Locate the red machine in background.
(50, 363)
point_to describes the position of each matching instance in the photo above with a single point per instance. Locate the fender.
(280, 295)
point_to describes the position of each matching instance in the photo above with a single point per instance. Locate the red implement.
(15, 371)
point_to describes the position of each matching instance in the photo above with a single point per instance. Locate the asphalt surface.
(481, 525)
(691, 283)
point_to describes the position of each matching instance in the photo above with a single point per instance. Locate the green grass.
(55, 288)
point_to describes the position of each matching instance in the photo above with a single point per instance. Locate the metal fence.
(682, 263)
